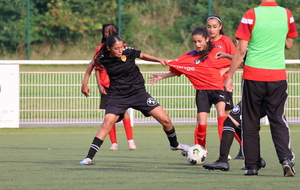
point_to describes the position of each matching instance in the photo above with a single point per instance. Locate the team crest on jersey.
(151, 102)
(236, 109)
(220, 47)
(197, 61)
(123, 58)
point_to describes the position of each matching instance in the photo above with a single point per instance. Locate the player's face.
(116, 50)
(200, 42)
(213, 27)
(108, 31)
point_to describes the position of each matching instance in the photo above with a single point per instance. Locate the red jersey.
(225, 44)
(204, 75)
(104, 79)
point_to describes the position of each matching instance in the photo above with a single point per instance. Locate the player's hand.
(154, 78)
(228, 86)
(164, 61)
(85, 89)
(102, 90)
(221, 54)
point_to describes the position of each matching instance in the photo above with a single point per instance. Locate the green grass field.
(47, 158)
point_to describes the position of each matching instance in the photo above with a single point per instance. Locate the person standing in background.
(266, 30)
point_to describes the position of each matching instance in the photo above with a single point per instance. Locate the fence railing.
(56, 98)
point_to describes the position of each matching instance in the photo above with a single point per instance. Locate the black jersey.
(125, 76)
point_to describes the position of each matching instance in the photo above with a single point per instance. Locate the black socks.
(172, 137)
(95, 146)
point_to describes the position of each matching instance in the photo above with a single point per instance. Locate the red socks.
(112, 134)
(237, 138)
(221, 126)
(128, 129)
(200, 135)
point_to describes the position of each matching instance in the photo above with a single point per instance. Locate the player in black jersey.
(127, 89)
(232, 124)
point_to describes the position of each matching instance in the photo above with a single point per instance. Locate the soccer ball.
(196, 154)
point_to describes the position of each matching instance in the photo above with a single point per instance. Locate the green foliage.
(161, 28)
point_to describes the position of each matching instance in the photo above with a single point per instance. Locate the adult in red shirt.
(202, 68)
(266, 30)
(103, 86)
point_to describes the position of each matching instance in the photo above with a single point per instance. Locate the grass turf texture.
(47, 158)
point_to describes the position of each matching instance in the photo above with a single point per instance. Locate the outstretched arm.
(152, 58)
(84, 87)
(157, 77)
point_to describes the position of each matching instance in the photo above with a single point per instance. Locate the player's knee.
(228, 125)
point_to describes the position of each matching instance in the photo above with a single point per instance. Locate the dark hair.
(218, 18)
(114, 30)
(110, 41)
(203, 32)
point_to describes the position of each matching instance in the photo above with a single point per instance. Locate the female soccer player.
(126, 90)
(103, 85)
(203, 69)
(224, 44)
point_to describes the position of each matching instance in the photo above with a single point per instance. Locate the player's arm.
(289, 42)
(84, 87)
(157, 77)
(147, 57)
(100, 87)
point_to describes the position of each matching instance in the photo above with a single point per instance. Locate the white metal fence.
(55, 98)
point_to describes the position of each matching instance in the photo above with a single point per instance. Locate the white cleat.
(114, 147)
(182, 147)
(229, 157)
(131, 145)
(86, 161)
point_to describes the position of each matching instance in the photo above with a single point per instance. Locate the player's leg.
(109, 121)
(252, 99)
(128, 131)
(113, 138)
(161, 116)
(200, 131)
(203, 103)
(221, 117)
(226, 142)
(275, 106)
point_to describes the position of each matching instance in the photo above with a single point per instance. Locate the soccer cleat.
(86, 161)
(229, 157)
(239, 156)
(251, 172)
(182, 147)
(288, 168)
(217, 165)
(262, 164)
(131, 145)
(114, 147)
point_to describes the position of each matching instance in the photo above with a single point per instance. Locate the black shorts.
(141, 101)
(205, 99)
(103, 100)
(229, 103)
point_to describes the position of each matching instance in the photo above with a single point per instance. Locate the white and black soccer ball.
(196, 154)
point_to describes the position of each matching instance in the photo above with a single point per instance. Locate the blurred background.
(71, 29)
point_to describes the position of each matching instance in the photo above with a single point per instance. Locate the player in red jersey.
(202, 68)
(226, 48)
(103, 86)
